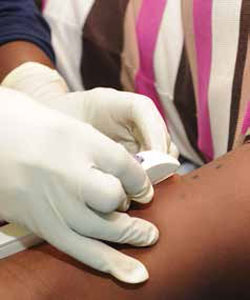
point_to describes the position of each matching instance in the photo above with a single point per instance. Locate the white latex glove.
(127, 118)
(62, 179)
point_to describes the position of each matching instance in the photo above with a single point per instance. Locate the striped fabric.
(149, 20)
(191, 57)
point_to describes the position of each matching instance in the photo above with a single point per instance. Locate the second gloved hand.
(62, 179)
(127, 118)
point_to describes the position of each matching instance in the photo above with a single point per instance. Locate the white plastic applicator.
(159, 166)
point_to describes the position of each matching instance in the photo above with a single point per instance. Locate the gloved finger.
(102, 191)
(115, 227)
(149, 127)
(125, 205)
(118, 162)
(91, 252)
(141, 125)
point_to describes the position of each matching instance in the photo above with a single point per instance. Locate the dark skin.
(204, 248)
(16, 53)
(203, 252)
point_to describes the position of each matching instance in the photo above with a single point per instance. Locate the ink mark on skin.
(183, 196)
(219, 166)
(195, 176)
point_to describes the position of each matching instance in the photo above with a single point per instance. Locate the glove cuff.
(36, 80)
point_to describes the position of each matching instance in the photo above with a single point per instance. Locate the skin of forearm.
(204, 221)
(15, 53)
(203, 251)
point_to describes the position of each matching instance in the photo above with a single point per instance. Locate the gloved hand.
(127, 118)
(62, 179)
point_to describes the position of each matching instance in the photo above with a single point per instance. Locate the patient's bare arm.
(13, 54)
(203, 252)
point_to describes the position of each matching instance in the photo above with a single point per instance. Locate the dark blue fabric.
(21, 20)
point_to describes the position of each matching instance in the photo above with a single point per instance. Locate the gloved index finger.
(115, 160)
(53, 228)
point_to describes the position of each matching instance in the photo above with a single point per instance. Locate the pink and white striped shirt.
(191, 57)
